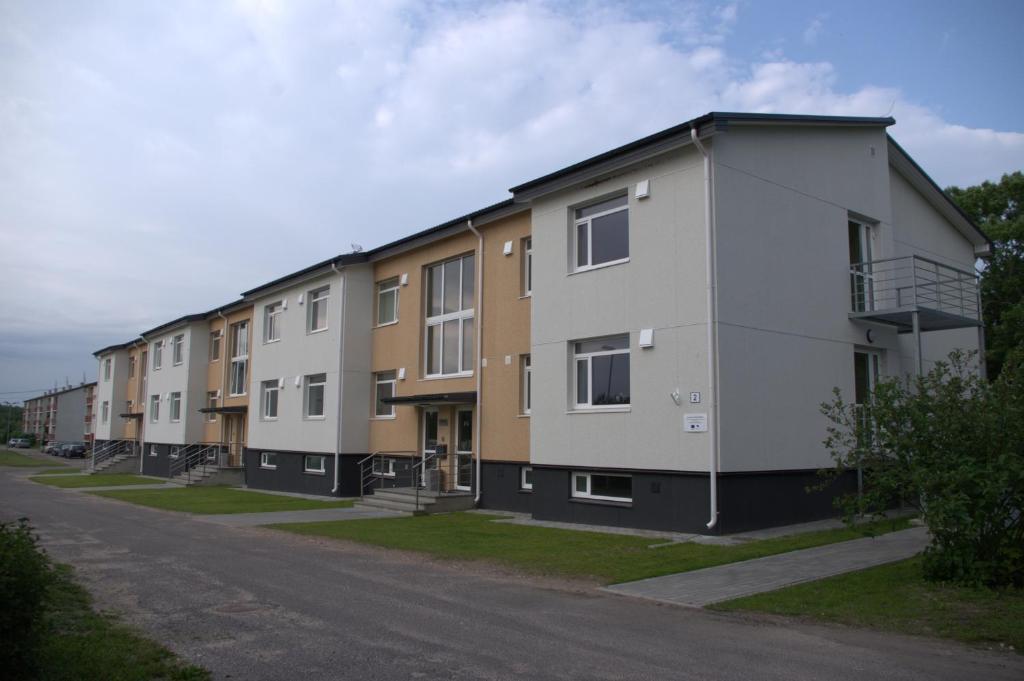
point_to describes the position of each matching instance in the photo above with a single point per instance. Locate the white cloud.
(813, 30)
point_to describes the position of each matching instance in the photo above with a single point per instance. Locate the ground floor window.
(268, 460)
(153, 451)
(526, 477)
(313, 463)
(384, 467)
(602, 486)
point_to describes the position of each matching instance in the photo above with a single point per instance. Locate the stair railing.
(187, 458)
(108, 450)
(368, 475)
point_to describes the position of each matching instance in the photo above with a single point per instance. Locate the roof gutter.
(712, 303)
(479, 327)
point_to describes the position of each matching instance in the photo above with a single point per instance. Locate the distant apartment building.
(640, 339)
(62, 415)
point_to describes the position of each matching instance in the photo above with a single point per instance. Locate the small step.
(369, 503)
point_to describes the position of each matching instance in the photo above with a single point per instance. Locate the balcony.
(903, 291)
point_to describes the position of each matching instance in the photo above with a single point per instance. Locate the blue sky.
(157, 158)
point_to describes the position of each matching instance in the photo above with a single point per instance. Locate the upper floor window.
(387, 302)
(215, 337)
(862, 280)
(385, 387)
(239, 340)
(269, 395)
(527, 266)
(314, 399)
(272, 322)
(602, 372)
(106, 369)
(178, 349)
(175, 407)
(318, 299)
(154, 408)
(449, 322)
(601, 233)
(131, 366)
(158, 354)
(105, 411)
(527, 384)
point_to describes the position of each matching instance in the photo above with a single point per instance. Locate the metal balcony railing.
(892, 289)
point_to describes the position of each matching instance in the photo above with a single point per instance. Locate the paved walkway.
(726, 582)
(308, 516)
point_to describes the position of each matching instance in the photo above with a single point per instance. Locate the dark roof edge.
(343, 259)
(716, 117)
(60, 391)
(112, 348)
(940, 190)
(197, 317)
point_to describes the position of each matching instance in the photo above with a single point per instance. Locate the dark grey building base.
(156, 458)
(679, 502)
(501, 487)
(289, 475)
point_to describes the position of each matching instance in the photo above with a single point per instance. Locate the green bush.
(952, 445)
(25, 576)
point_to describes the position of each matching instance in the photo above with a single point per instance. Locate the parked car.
(20, 442)
(52, 447)
(74, 450)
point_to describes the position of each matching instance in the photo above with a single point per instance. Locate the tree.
(998, 208)
(951, 445)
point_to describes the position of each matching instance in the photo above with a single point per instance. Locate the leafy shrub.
(25, 575)
(952, 445)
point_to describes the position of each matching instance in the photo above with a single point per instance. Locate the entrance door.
(464, 449)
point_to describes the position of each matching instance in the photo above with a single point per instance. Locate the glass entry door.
(464, 449)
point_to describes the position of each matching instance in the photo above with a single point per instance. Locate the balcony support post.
(918, 358)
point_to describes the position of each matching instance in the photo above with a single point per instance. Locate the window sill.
(522, 416)
(312, 331)
(268, 468)
(600, 502)
(525, 491)
(271, 340)
(314, 472)
(237, 394)
(381, 326)
(591, 268)
(600, 410)
(269, 419)
(383, 475)
(526, 296)
(383, 418)
(441, 377)
(314, 418)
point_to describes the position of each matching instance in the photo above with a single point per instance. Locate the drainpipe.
(479, 354)
(224, 376)
(139, 429)
(709, 238)
(341, 378)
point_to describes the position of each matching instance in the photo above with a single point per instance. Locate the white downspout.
(479, 354)
(143, 371)
(224, 379)
(341, 377)
(709, 238)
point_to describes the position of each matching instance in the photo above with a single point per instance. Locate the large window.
(318, 300)
(268, 397)
(215, 337)
(211, 403)
(239, 357)
(268, 460)
(154, 408)
(384, 384)
(449, 342)
(178, 349)
(387, 302)
(106, 369)
(603, 487)
(175, 407)
(314, 463)
(602, 372)
(527, 266)
(158, 354)
(314, 399)
(527, 383)
(272, 322)
(862, 280)
(601, 233)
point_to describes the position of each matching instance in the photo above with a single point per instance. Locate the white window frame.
(528, 267)
(307, 385)
(588, 220)
(314, 298)
(587, 357)
(265, 458)
(178, 349)
(599, 497)
(307, 469)
(523, 484)
(383, 467)
(105, 411)
(392, 285)
(106, 369)
(862, 280)
(158, 355)
(459, 315)
(267, 387)
(241, 358)
(154, 408)
(175, 405)
(131, 366)
(526, 384)
(211, 403)
(377, 383)
(216, 341)
(153, 451)
(271, 322)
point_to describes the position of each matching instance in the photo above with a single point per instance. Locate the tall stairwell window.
(450, 313)
(239, 339)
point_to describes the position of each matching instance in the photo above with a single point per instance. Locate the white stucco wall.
(188, 378)
(113, 392)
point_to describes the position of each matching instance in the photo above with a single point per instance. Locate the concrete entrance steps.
(404, 499)
(211, 475)
(119, 463)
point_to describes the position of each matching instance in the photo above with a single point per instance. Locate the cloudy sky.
(157, 158)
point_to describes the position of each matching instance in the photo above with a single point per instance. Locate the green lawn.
(609, 558)
(98, 480)
(66, 470)
(214, 500)
(17, 459)
(80, 644)
(897, 598)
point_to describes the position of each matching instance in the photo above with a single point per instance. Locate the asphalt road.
(251, 603)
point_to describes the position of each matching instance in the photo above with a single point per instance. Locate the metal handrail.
(366, 473)
(912, 282)
(416, 472)
(188, 457)
(108, 450)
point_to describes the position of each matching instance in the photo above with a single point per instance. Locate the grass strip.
(98, 480)
(18, 460)
(897, 598)
(217, 500)
(608, 558)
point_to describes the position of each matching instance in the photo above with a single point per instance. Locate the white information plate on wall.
(695, 423)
